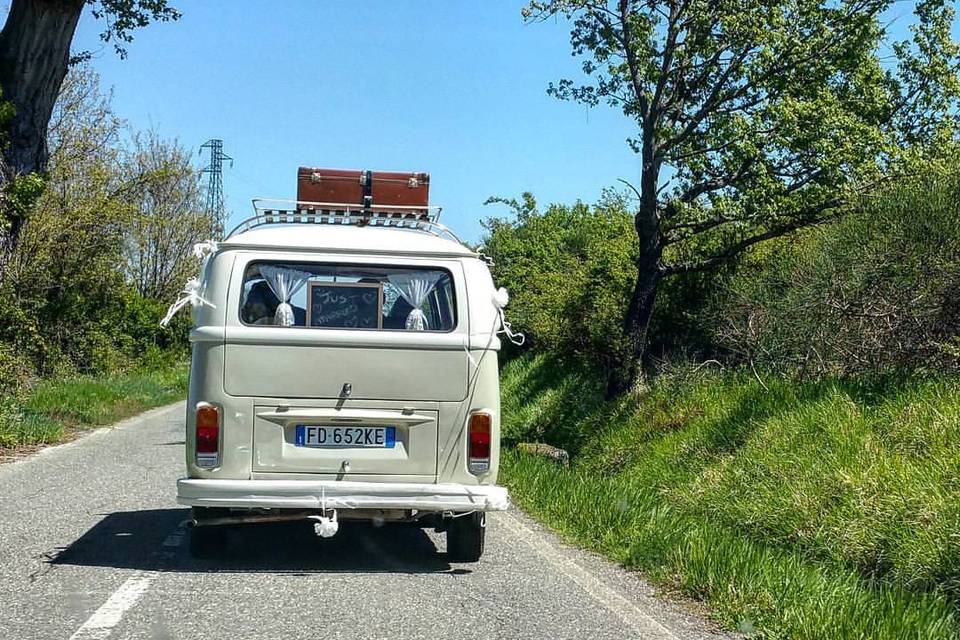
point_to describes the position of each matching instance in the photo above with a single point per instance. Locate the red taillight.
(208, 435)
(479, 429)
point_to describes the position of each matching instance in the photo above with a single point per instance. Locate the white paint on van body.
(251, 371)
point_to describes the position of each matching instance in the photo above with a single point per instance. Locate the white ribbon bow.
(205, 248)
(191, 290)
(190, 295)
(500, 300)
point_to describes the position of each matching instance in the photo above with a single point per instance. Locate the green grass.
(826, 509)
(54, 408)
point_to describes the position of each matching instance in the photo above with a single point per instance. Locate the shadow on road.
(135, 540)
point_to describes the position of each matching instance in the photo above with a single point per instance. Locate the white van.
(344, 367)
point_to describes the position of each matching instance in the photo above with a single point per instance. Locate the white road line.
(646, 626)
(99, 625)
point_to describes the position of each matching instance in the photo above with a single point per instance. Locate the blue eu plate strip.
(390, 437)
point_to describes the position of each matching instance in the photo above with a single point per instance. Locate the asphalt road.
(92, 545)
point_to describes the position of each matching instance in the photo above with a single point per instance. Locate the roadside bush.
(16, 366)
(569, 271)
(69, 301)
(873, 292)
(11, 421)
(105, 332)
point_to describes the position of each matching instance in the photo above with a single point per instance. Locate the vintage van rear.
(344, 370)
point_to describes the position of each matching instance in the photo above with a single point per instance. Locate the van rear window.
(300, 294)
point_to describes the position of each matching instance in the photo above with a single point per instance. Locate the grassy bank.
(826, 509)
(54, 409)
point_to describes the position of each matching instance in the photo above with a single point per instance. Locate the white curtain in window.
(414, 288)
(284, 282)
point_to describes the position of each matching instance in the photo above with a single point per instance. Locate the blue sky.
(457, 89)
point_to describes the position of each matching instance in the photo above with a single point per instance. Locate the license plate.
(330, 436)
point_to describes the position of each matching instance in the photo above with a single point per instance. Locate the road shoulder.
(651, 612)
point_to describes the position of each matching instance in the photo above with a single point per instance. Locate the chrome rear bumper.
(332, 494)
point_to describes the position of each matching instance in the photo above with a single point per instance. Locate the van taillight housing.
(208, 435)
(478, 442)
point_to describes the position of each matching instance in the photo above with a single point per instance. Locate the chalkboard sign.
(345, 305)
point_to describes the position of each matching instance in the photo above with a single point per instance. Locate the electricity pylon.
(214, 171)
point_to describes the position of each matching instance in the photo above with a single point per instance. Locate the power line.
(214, 171)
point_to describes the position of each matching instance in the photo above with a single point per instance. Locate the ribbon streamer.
(191, 290)
(515, 337)
(189, 295)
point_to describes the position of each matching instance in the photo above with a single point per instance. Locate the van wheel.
(206, 541)
(465, 537)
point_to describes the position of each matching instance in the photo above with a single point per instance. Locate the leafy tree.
(169, 217)
(65, 301)
(64, 277)
(568, 269)
(755, 118)
(34, 56)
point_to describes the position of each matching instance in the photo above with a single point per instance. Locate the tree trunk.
(637, 319)
(646, 222)
(34, 55)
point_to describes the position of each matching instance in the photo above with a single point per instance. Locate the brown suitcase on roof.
(329, 185)
(385, 188)
(407, 189)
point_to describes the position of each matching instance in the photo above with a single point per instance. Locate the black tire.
(465, 537)
(206, 542)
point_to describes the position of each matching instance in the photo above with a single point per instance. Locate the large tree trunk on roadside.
(646, 222)
(34, 55)
(637, 320)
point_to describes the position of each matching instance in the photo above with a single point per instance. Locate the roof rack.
(272, 211)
